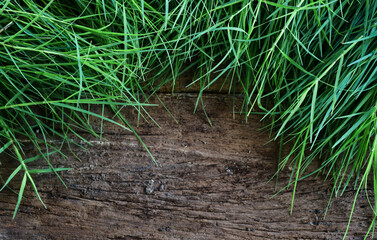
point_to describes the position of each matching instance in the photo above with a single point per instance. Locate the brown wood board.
(212, 183)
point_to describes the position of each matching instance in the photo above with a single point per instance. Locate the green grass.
(309, 66)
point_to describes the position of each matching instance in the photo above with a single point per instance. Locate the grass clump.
(51, 71)
(310, 66)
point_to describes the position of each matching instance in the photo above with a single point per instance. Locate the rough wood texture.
(211, 184)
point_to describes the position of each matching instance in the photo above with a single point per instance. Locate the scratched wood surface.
(212, 183)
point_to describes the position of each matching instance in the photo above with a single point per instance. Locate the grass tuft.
(310, 66)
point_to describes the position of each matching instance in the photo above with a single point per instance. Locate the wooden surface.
(211, 184)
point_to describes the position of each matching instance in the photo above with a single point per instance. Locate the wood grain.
(212, 183)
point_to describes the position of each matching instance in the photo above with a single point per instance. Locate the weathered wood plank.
(211, 184)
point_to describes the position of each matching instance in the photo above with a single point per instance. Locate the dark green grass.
(309, 66)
